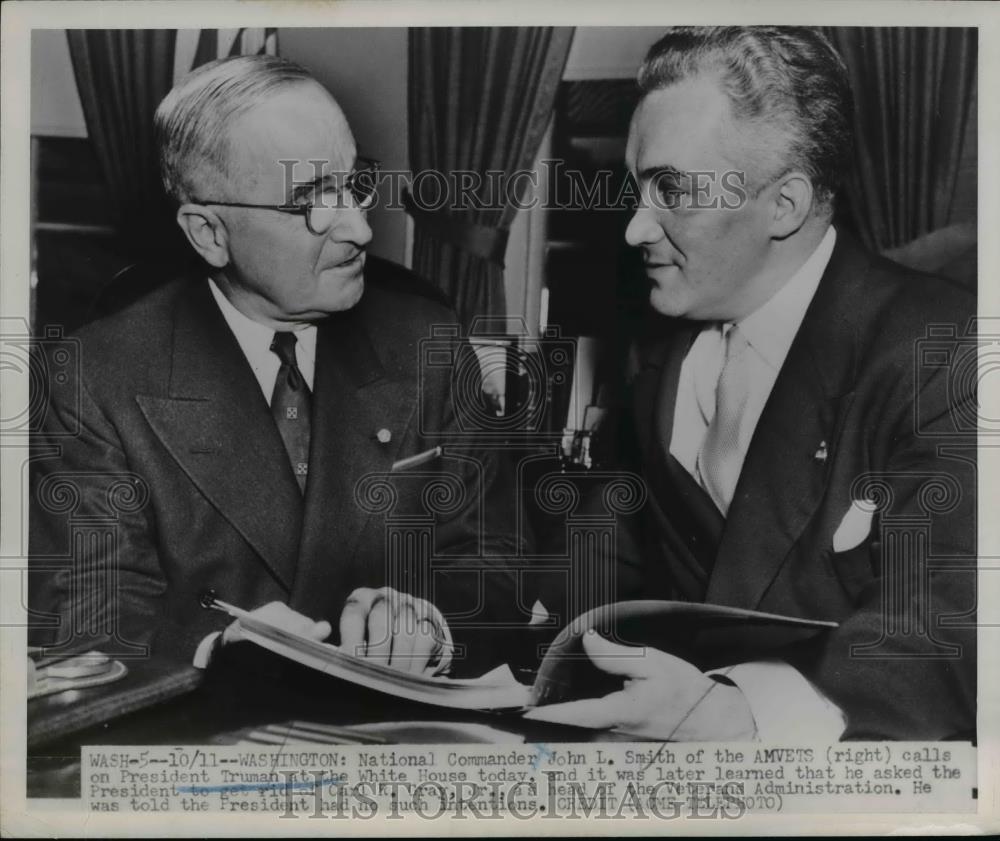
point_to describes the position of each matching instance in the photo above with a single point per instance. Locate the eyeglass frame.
(305, 210)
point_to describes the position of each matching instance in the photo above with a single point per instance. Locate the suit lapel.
(354, 399)
(655, 398)
(656, 387)
(216, 424)
(785, 472)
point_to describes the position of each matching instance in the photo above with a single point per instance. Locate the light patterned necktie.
(721, 457)
(290, 403)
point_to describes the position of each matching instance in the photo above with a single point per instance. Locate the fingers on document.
(389, 626)
(632, 661)
(594, 713)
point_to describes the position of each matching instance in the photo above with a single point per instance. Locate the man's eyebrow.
(303, 189)
(650, 172)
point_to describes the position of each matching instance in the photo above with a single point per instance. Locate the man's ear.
(793, 201)
(205, 232)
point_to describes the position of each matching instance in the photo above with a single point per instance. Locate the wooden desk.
(149, 682)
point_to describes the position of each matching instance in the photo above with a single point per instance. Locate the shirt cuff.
(206, 648)
(784, 704)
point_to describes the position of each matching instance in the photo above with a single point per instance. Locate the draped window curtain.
(480, 100)
(912, 89)
(121, 76)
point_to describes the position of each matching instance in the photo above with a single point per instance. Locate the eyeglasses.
(320, 212)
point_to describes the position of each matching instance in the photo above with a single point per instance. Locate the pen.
(208, 600)
(418, 460)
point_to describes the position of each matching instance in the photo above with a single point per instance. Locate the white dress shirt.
(784, 704)
(769, 331)
(255, 341)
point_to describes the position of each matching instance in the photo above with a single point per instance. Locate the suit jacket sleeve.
(95, 577)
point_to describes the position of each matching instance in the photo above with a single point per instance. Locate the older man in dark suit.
(803, 457)
(247, 413)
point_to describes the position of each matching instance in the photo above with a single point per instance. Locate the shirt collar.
(771, 328)
(254, 337)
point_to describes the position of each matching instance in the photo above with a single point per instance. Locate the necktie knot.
(283, 346)
(736, 343)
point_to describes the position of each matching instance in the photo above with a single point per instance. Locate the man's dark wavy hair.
(784, 80)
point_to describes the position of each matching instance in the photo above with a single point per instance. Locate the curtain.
(480, 100)
(913, 88)
(121, 76)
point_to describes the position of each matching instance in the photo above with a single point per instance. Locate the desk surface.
(149, 682)
(170, 703)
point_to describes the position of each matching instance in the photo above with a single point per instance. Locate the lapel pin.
(384, 436)
(820, 454)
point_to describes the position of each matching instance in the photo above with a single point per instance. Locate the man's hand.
(397, 629)
(664, 698)
(282, 616)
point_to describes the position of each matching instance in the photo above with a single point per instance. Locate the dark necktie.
(290, 402)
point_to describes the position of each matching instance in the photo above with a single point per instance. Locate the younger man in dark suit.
(800, 459)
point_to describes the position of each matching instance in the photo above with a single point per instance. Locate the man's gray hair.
(784, 81)
(192, 122)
